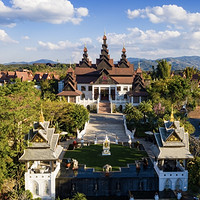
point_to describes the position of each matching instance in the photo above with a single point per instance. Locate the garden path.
(101, 125)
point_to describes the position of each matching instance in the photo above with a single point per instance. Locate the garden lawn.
(92, 156)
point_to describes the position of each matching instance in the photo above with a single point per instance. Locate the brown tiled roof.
(137, 94)
(81, 71)
(24, 76)
(86, 79)
(123, 79)
(121, 71)
(70, 93)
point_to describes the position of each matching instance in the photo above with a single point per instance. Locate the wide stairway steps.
(104, 107)
(101, 125)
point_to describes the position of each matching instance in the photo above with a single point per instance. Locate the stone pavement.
(101, 125)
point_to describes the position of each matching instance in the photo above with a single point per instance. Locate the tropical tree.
(189, 72)
(163, 70)
(79, 196)
(145, 107)
(18, 109)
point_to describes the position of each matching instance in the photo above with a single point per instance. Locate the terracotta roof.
(24, 76)
(122, 71)
(123, 80)
(81, 71)
(86, 79)
(70, 93)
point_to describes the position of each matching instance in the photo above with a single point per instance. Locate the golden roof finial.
(41, 116)
(139, 64)
(172, 115)
(70, 64)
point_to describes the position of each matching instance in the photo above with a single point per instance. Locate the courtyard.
(92, 157)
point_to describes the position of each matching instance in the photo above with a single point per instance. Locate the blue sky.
(58, 29)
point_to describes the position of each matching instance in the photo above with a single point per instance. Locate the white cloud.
(51, 11)
(86, 40)
(59, 46)
(30, 48)
(171, 14)
(25, 37)
(5, 38)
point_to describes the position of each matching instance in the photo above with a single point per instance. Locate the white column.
(139, 99)
(68, 99)
(132, 100)
(92, 92)
(109, 93)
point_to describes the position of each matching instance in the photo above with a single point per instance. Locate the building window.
(125, 96)
(130, 88)
(125, 88)
(83, 88)
(135, 99)
(118, 88)
(83, 96)
(89, 88)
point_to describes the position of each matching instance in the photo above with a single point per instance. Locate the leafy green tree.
(18, 109)
(163, 70)
(194, 174)
(179, 89)
(189, 72)
(79, 196)
(145, 107)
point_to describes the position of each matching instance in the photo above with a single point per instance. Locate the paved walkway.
(101, 125)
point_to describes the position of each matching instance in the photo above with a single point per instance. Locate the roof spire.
(41, 116)
(104, 36)
(172, 115)
(139, 64)
(123, 50)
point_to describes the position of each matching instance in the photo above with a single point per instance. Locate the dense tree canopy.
(20, 105)
(163, 69)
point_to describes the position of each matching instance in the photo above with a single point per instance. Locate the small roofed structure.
(44, 152)
(138, 92)
(69, 91)
(172, 153)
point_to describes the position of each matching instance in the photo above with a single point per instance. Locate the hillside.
(178, 63)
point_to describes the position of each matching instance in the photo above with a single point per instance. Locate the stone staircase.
(104, 107)
(101, 125)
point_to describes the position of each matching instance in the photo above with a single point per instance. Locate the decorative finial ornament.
(70, 66)
(41, 116)
(172, 115)
(139, 64)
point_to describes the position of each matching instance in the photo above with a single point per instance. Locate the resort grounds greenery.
(166, 91)
(92, 157)
(20, 106)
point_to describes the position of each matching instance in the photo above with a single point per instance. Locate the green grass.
(92, 156)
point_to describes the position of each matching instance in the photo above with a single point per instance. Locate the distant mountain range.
(30, 63)
(178, 63)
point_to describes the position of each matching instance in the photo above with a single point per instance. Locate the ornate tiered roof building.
(172, 153)
(42, 160)
(104, 81)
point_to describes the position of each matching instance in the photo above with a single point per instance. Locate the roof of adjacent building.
(43, 144)
(122, 72)
(172, 142)
(70, 93)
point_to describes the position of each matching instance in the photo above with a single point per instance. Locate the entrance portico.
(104, 93)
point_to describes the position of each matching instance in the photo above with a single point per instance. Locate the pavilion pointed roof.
(104, 61)
(123, 63)
(85, 60)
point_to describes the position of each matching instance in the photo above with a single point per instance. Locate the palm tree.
(145, 107)
(79, 196)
